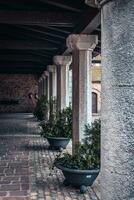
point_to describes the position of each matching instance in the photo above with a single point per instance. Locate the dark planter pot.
(58, 143)
(79, 178)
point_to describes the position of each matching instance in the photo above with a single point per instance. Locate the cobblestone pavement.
(17, 124)
(25, 162)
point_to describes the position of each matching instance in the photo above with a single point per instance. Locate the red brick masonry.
(17, 87)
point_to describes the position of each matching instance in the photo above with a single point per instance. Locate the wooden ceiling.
(33, 31)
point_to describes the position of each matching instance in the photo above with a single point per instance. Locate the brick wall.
(15, 90)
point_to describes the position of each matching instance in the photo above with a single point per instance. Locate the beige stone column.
(52, 70)
(43, 85)
(81, 47)
(46, 74)
(40, 87)
(62, 63)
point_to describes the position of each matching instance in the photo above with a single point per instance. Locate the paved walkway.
(25, 162)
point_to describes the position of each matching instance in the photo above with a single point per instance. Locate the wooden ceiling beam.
(29, 34)
(36, 52)
(95, 22)
(36, 17)
(25, 67)
(69, 25)
(62, 4)
(35, 30)
(23, 44)
(42, 54)
(17, 71)
(21, 71)
(32, 58)
(56, 29)
(36, 36)
(88, 23)
(21, 65)
(26, 70)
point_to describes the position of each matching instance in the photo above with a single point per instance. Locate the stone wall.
(15, 90)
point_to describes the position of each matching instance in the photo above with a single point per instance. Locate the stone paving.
(14, 169)
(25, 162)
(17, 124)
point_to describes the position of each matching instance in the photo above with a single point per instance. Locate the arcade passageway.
(25, 164)
(42, 42)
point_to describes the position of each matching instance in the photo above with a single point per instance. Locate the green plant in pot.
(41, 109)
(52, 107)
(58, 130)
(82, 168)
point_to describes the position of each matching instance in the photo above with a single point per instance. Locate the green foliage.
(52, 108)
(41, 109)
(45, 107)
(58, 126)
(87, 154)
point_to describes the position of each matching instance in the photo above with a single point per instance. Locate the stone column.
(52, 70)
(46, 73)
(82, 47)
(58, 70)
(62, 63)
(40, 87)
(117, 153)
(44, 85)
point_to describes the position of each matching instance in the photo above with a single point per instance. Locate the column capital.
(102, 2)
(40, 79)
(82, 42)
(96, 3)
(51, 68)
(62, 60)
(46, 73)
(43, 76)
(92, 3)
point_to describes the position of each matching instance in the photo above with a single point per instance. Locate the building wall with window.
(96, 91)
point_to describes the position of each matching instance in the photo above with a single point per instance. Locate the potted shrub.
(82, 168)
(58, 130)
(52, 107)
(41, 109)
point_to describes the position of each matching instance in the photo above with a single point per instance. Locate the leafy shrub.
(87, 154)
(52, 106)
(59, 126)
(41, 109)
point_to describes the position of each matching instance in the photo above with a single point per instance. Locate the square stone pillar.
(81, 47)
(53, 80)
(62, 63)
(117, 113)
